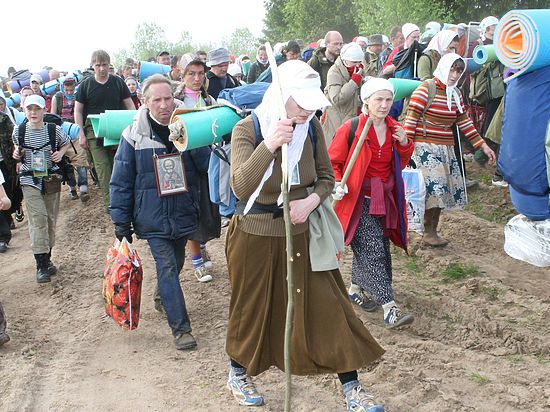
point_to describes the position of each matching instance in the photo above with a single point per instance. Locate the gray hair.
(154, 79)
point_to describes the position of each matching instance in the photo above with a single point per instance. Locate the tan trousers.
(103, 158)
(42, 211)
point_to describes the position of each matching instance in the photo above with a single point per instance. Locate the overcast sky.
(111, 25)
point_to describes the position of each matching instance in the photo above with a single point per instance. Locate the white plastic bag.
(528, 240)
(415, 197)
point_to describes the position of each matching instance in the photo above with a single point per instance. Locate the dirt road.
(480, 342)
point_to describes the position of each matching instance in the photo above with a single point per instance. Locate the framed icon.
(170, 174)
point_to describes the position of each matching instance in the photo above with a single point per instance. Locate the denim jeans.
(169, 257)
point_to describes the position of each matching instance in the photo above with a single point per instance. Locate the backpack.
(407, 60)
(432, 90)
(244, 98)
(487, 83)
(59, 101)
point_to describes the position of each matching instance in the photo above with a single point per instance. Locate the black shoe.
(84, 197)
(19, 215)
(185, 341)
(42, 275)
(3, 247)
(52, 270)
(73, 195)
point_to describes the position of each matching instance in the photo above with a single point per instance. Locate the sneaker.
(3, 247)
(207, 262)
(243, 389)
(359, 400)
(357, 296)
(499, 182)
(202, 274)
(84, 197)
(395, 318)
(185, 341)
(225, 221)
(73, 194)
(470, 184)
(4, 338)
(468, 157)
(19, 215)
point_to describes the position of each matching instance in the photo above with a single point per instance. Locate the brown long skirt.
(327, 337)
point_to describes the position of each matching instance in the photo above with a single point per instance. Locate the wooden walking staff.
(288, 228)
(354, 155)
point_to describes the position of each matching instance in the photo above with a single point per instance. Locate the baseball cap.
(303, 84)
(35, 99)
(36, 78)
(69, 80)
(163, 53)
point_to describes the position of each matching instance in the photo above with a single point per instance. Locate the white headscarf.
(440, 42)
(487, 22)
(442, 73)
(408, 29)
(296, 77)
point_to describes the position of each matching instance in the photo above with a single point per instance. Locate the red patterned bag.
(122, 284)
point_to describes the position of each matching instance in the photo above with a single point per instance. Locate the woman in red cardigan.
(372, 203)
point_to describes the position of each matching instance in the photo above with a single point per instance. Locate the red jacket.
(340, 155)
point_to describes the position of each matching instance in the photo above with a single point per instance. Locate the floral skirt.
(444, 183)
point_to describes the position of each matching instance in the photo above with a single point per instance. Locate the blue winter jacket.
(133, 186)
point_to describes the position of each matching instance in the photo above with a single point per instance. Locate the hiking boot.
(4, 338)
(19, 215)
(50, 267)
(395, 318)
(359, 400)
(202, 274)
(357, 296)
(431, 221)
(42, 275)
(243, 389)
(499, 182)
(207, 262)
(185, 341)
(3, 247)
(73, 194)
(84, 197)
(470, 184)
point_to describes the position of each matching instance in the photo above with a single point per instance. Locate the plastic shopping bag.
(122, 284)
(415, 197)
(528, 240)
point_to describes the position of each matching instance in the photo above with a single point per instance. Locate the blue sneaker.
(357, 296)
(243, 389)
(359, 400)
(395, 318)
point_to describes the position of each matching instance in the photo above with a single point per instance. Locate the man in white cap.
(40, 147)
(218, 78)
(411, 33)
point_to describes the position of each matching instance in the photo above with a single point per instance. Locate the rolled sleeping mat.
(16, 85)
(19, 117)
(192, 128)
(403, 87)
(522, 40)
(112, 123)
(146, 69)
(13, 100)
(94, 120)
(53, 86)
(484, 54)
(472, 66)
(72, 129)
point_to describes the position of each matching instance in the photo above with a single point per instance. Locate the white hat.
(217, 56)
(36, 78)
(409, 28)
(303, 84)
(373, 85)
(234, 69)
(361, 39)
(385, 39)
(352, 52)
(433, 25)
(35, 99)
(487, 22)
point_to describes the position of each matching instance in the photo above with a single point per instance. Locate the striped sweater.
(439, 120)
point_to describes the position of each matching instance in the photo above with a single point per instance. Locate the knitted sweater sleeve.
(418, 101)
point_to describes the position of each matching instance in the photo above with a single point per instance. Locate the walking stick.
(355, 155)
(462, 163)
(288, 231)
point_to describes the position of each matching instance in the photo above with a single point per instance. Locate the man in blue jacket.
(142, 203)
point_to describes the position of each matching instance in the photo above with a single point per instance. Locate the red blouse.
(380, 164)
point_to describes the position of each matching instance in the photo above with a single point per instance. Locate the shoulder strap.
(21, 134)
(59, 101)
(52, 135)
(352, 130)
(432, 90)
(259, 137)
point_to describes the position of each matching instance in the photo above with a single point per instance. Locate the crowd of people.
(337, 98)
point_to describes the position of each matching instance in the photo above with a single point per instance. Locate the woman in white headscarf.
(431, 116)
(442, 43)
(371, 206)
(342, 90)
(256, 250)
